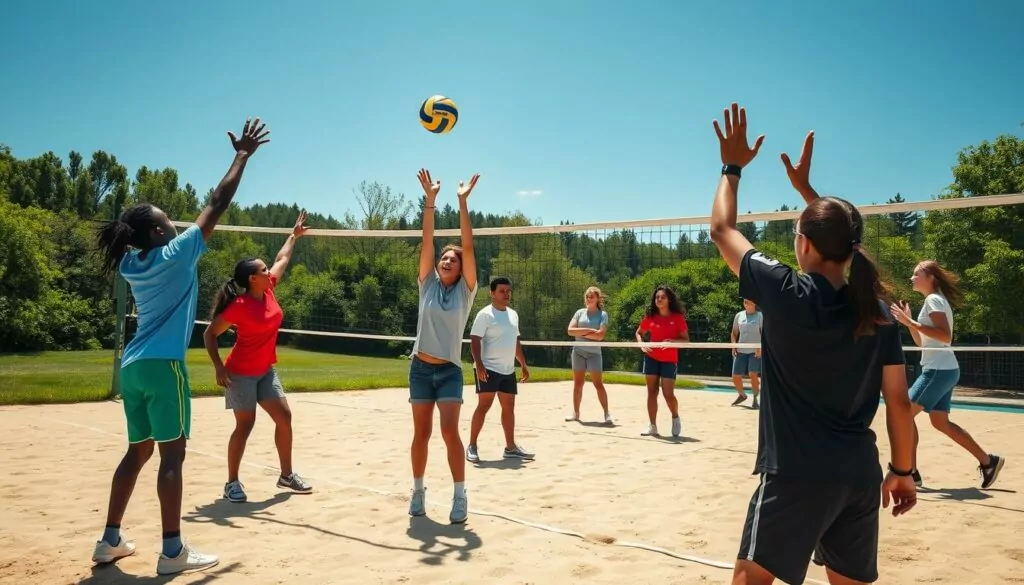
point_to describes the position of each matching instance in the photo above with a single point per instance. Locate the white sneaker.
(677, 427)
(460, 510)
(572, 417)
(234, 491)
(652, 431)
(187, 560)
(104, 553)
(418, 502)
(608, 419)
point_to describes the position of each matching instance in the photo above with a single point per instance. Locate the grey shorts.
(245, 392)
(586, 362)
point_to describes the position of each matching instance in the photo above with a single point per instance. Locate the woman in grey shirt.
(588, 324)
(447, 291)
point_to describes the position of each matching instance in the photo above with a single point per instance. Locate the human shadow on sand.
(969, 495)
(111, 574)
(441, 541)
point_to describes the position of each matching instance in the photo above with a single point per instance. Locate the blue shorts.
(933, 389)
(653, 367)
(434, 383)
(746, 363)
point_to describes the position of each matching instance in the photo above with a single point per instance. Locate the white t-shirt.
(498, 332)
(749, 327)
(936, 360)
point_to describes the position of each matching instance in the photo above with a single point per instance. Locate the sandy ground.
(607, 484)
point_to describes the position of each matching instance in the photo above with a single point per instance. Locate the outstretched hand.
(464, 189)
(733, 143)
(430, 188)
(901, 311)
(300, 228)
(800, 175)
(253, 135)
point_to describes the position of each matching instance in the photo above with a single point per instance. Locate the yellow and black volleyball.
(438, 114)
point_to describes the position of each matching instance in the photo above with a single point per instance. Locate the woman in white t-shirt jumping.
(932, 392)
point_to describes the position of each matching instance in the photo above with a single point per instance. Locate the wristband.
(900, 473)
(731, 170)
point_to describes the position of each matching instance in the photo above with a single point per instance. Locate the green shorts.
(157, 400)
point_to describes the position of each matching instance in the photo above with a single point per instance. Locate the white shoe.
(677, 427)
(652, 431)
(104, 553)
(234, 492)
(187, 560)
(608, 420)
(460, 510)
(572, 417)
(418, 502)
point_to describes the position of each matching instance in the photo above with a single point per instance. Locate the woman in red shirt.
(665, 320)
(247, 303)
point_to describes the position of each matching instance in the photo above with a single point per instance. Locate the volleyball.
(438, 114)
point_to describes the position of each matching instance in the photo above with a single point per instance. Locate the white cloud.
(526, 193)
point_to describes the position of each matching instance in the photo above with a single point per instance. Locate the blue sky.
(578, 110)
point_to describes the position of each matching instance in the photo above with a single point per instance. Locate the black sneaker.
(740, 399)
(990, 472)
(917, 478)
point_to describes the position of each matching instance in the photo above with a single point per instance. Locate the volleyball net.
(354, 291)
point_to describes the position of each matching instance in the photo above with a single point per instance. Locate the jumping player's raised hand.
(430, 188)
(300, 228)
(464, 189)
(253, 135)
(733, 143)
(800, 175)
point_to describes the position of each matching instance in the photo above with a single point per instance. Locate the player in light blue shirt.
(160, 266)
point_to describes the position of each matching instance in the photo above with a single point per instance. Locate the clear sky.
(584, 110)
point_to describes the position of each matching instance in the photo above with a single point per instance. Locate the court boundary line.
(612, 541)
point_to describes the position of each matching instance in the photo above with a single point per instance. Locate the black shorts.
(496, 383)
(788, 521)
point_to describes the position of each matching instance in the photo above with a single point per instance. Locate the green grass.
(83, 376)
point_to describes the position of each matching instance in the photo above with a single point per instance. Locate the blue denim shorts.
(653, 367)
(434, 383)
(745, 363)
(933, 389)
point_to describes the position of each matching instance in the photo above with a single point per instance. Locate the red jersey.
(663, 328)
(257, 322)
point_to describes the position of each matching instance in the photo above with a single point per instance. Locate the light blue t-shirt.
(165, 287)
(749, 327)
(588, 320)
(442, 318)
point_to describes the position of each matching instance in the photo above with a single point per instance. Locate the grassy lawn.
(81, 376)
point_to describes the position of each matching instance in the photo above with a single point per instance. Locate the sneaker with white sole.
(188, 560)
(517, 452)
(651, 431)
(295, 483)
(234, 491)
(573, 417)
(677, 427)
(418, 502)
(608, 419)
(460, 510)
(105, 553)
(472, 455)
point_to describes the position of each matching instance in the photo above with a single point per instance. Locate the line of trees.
(52, 296)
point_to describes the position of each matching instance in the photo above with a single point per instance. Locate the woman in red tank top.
(247, 303)
(665, 320)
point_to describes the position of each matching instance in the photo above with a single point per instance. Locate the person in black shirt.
(830, 346)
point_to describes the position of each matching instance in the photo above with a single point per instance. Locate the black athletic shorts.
(788, 521)
(496, 382)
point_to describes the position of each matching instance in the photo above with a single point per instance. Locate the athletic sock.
(417, 483)
(172, 544)
(460, 489)
(112, 535)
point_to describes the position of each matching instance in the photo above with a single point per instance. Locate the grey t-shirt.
(588, 320)
(749, 327)
(443, 313)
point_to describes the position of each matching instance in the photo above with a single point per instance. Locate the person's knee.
(139, 453)
(244, 425)
(450, 433)
(172, 455)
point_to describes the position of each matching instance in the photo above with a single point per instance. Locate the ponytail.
(225, 296)
(114, 237)
(867, 293)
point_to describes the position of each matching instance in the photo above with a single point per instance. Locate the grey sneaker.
(460, 510)
(517, 452)
(418, 502)
(295, 483)
(677, 427)
(234, 491)
(471, 454)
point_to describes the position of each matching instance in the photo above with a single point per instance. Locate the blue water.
(960, 405)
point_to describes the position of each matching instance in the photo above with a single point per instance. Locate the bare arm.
(252, 137)
(939, 332)
(284, 255)
(735, 152)
(899, 416)
(214, 330)
(519, 354)
(474, 348)
(430, 190)
(597, 334)
(466, 233)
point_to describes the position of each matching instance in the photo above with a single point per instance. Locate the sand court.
(617, 490)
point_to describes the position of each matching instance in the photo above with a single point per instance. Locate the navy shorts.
(933, 389)
(495, 382)
(653, 367)
(434, 382)
(746, 363)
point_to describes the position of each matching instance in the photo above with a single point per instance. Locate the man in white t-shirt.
(494, 342)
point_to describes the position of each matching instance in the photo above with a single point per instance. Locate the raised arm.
(253, 135)
(466, 233)
(430, 190)
(284, 255)
(736, 154)
(800, 175)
